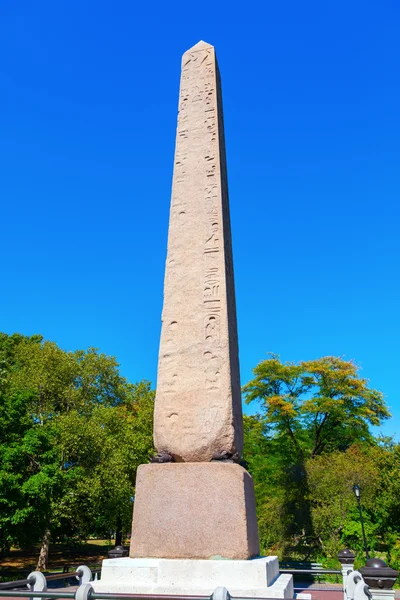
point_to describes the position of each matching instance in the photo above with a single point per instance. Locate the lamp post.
(357, 493)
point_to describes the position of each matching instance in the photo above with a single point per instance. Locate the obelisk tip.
(201, 45)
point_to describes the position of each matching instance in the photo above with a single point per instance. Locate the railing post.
(85, 574)
(39, 584)
(352, 579)
(380, 578)
(346, 558)
(85, 591)
(220, 593)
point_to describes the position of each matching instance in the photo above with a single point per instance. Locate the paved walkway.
(319, 591)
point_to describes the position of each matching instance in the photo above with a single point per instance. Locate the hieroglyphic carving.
(212, 259)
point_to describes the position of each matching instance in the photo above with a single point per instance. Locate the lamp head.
(356, 491)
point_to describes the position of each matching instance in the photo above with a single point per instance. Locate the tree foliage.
(72, 434)
(322, 405)
(307, 447)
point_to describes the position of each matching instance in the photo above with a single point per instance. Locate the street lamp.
(357, 493)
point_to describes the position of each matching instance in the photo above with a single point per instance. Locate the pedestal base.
(194, 511)
(256, 578)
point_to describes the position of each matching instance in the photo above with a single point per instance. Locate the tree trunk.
(44, 552)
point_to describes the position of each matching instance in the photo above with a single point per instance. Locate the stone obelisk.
(198, 410)
(196, 502)
(201, 503)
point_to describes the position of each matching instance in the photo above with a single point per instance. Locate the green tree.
(268, 460)
(308, 410)
(334, 509)
(15, 423)
(74, 431)
(106, 448)
(385, 509)
(375, 469)
(320, 405)
(279, 481)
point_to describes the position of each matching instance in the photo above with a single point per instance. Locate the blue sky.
(88, 102)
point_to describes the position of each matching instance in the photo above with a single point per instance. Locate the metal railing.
(316, 571)
(312, 571)
(37, 584)
(354, 588)
(18, 583)
(56, 576)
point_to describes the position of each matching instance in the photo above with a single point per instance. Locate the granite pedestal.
(194, 510)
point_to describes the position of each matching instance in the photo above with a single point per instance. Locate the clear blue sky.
(88, 102)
